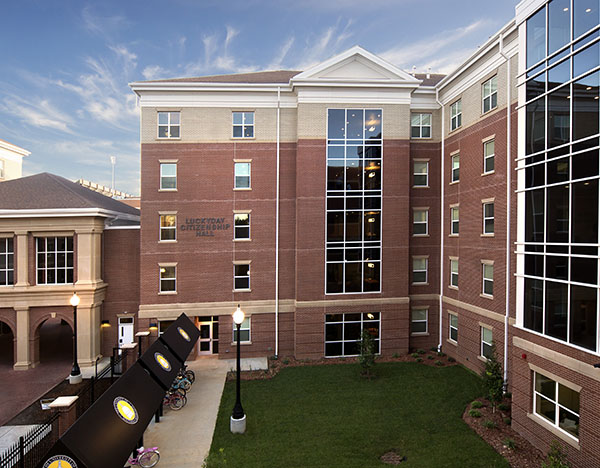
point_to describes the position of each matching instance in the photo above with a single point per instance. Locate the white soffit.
(12, 152)
(526, 8)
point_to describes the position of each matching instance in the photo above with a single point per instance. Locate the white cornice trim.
(526, 8)
(141, 86)
(67, 212)
(14, 148)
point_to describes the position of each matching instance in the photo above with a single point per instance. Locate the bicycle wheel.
(186, 384)
(148, 459)
(189, 374)
(176, 402)
(181, 391)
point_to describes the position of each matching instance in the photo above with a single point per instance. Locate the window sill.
(242, 343)
(486, 113)
(451, 286)
(243, 138)
(419, 334)
(167, 293)
(487, 235)
(242, 290)
(174, 241)
(242, 240)
(452, 235)
(455, 129)
(487, 173)
(454, 182)
(482, 358)
(452, 342)
(167, 190)
(420, 235)
(419, 284)
(421, 138)
(486, 296)
(242, 189)
(167, 139)
(555, 430)
(421, 186)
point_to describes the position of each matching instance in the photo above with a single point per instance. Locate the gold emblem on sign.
(60, 461)
(183, 333)
(162, 361)
(125, 410)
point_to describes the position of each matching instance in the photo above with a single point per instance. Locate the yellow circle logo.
(162, 361)
(183, 333)
(125, 410)
(60, 461)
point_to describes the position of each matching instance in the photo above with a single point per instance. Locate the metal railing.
(32, 447)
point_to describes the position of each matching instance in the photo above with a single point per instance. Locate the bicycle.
(181, 382)
(188, 374)
(174, 400)
(146, 458)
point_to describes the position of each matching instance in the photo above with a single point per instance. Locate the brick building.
(456, 211)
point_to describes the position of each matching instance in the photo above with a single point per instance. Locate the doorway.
(125, 331)
(208, 343)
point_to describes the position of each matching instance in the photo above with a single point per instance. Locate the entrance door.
(205, 340)
(125, 331)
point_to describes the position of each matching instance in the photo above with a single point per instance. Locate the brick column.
(23, 357)
(22, 264)
(66, 407)
(130, 357)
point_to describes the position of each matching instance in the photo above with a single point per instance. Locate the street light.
(238, 418)
(75, 376)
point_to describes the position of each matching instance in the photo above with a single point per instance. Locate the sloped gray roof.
(434, 78)
(278, 76)
(48, 191)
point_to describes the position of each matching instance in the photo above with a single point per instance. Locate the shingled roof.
(432, 80)
(278, 76)
(48, 191)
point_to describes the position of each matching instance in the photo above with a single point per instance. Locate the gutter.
(437, 99)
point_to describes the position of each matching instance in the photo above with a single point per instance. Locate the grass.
(328, 416)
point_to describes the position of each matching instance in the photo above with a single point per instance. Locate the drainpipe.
(442, 185)
(277, 230)
(508, 194)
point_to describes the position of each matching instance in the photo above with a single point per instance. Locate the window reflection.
(559, 24)
(586, 16)
(583, 317)
(536, 37)
(585, 106)
(556, 310)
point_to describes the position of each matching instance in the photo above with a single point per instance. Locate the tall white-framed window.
(241, 226)
(168, 278)
(243, 124)
(420, 125)
(54, 260)
(453, 327)
(168, 227)
(241, 174)
(557, 404)
(454, 213)
(1, 168)
(488, 218)
(343, 332)
(168, 176)
(7, 267)
(241, 276)
(420, 221)
(488, 278)
(455, 167)
(455, 115)
(489, 149)
(454, 272)
(244, 331)
(418, 320)
(419, 270)
(489, 94)
(487, 342)
(169, 125)
(420, 173)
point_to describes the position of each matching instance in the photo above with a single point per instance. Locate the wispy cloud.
(41, 114)
(327, 43)
(277, 62)
(103, 26)
(155, 72)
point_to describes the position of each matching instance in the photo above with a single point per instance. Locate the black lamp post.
(238, 418)
(75, 376)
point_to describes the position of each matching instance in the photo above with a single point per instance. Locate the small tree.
(366, 357)
(556, 457)
(493, 379)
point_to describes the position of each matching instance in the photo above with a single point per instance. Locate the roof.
(48, 191)
(434, 78)
(278, 76)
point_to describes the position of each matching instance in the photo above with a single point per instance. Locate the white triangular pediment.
(355, 64)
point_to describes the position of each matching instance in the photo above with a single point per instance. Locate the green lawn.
(329, 417)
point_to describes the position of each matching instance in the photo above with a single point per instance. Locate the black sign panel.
(61, 456)
(106, 434)
(162, 363)
(181, 336)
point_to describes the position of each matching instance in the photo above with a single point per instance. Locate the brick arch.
(38, 321)
(8, 317)
(37, 317)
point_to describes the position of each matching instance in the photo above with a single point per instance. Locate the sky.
(66, 64)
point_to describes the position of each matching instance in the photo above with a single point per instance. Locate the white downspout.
(277, 231)
(441, 222)
(508, 194)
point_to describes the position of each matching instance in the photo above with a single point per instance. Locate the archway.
(55, 342)
(7, 346)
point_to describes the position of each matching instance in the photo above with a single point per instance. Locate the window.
(486, 342)
(163, 325)
(241, 226)
(420, 125)
(168, 278)
(454, 272)
(243, 124)
(455, 168)
(488, 156)
(490, 94)
(557, 404)
(169, 125)
(168, 227)
(244, 331)
(488, 279)
(421, 174)
(418, 322)
(453, 325)
(454, 221)
(343, 332)
(241, 277)
(420, 222)
(54, 260)
(455, 115)
(242, 175)
(1, 169)
(168, 176)
(488, 218)
(419, 274)
(7, 269)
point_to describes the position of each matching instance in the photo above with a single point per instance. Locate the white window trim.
(426, 332)
(249, 162)
(160, 184)
(241, 262)
(426, 222)
(426, 174)
(450, 327)
(488, 263)
(455, 115)
(452, 157)
(169, 125)
(55, 268)
(242, 239)
(484, 97)
(483, 204)
(421, 257)
(482, 341)
(421, 126)
(242, 328)
(161, 228)
(8, 254)
(454, 223)
(362, 322)
(243, 125)
(491, 156)
(453, 259)
(1, 168)
(160, 278)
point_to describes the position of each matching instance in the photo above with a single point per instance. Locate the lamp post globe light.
(238, 417)
(75, 376)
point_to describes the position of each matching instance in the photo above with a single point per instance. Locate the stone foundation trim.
(478, 310)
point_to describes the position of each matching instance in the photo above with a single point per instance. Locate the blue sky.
(66, 63)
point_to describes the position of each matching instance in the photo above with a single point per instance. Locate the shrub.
(488, 424)
(440, 354)
(415, 355)
(273, 358)
(509, 443)
(439, 363)
(366, 357)
(476, 404)
(493, 379)
(507, 421)
(433, 348)
(286, 361)
(451, 359)
(556, 457)
(430, 357)
(421, 351)
(508, 395)
(395, 355)
(474, 413)
(504, 407)
(419, 359)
